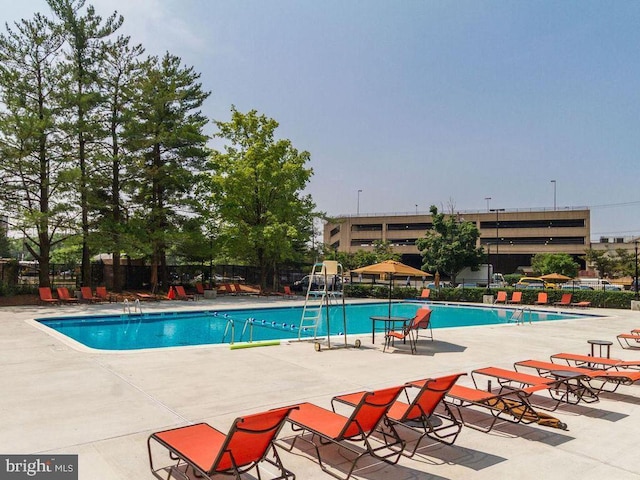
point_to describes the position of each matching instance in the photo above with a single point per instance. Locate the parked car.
(531, 282)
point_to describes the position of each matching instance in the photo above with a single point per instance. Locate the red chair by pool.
(210, 452)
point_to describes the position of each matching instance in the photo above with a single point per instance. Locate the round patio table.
(389, 323)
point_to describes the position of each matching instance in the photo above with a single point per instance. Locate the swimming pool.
(172, 329)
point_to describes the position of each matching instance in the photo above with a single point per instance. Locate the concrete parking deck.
(103, 405)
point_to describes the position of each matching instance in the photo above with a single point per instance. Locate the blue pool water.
(171, 329)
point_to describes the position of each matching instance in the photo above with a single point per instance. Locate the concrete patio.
(102, 406)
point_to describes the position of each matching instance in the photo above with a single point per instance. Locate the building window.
(410, 226)
(335, 231)
(367, 227)
(533, 241)
(566, 223)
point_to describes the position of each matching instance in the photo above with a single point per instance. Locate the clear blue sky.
(424, 102)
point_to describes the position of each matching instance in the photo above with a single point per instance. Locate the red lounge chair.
(602, 363)
(288, 292)
(103, 295)
(331, 427)
(426, 292)
(565, 301)
(46, 296)
(631, 341)
(199, 290)
(210, 452)
(181, 294)
(420, 414)
(422, 320)
(146, 296)
(604, 377)
(543, 299)
(65, 296)
(512, 406)
(87, 295)
(583, 304)
(501, 297)
(516, 297)
(561, 390)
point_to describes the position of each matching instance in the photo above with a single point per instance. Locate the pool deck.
(102, 406)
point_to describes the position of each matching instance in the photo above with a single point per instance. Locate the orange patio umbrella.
(392, 268)
(555, 277)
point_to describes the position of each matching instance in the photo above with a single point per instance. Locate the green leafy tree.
(36, 179)
(450, 245)
(603, 262)
(120, 68)
(168, 147)
(256, 186)
(562, 263)
(85, 33)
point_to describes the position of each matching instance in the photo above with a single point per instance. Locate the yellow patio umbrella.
(555, 277)
(392, 268)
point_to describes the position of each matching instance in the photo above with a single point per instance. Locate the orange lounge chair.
(543, 299)
(103, 295)
(606, 377)
(501, 297)
(512, 406)
(583, 304)
(516, 297)
(46, 296)
(422, 320)
(210, 452)
(343, 431)
(565, 301)
(631, 341)
(65, 296)
(181, 294)
(88, 296)
(146, 296)
(426, 292)
(419, 413)
(199, 290)
(560, 389)
(288, 292)
(602, 363)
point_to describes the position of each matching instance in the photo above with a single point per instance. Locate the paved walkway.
(102, 406)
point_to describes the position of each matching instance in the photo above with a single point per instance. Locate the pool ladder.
(519, 315)
(126, 306)
(231, 325)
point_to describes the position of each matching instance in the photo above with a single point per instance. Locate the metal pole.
(554, 193)
(358, 207)
(487, 199)
(636, 279)
(497, 210)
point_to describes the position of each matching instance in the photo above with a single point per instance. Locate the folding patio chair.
(511, 406)
(422, 320)
(209, 452)
(419, 413)
(343, 431)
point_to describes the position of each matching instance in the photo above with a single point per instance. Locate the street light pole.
(497, 210)
(487, 199)
(554, 193)
(636, 279)
(358, 206)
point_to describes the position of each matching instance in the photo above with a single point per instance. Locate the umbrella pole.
(390, 285)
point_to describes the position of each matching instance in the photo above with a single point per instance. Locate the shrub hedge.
(598, 298)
